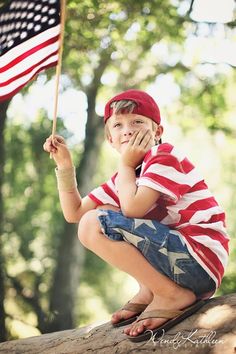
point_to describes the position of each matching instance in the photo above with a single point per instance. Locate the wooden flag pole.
(59, 64)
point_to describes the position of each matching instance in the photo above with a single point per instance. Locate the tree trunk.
(65, 282)
(70, 252)
(3, 117)
(211, 330)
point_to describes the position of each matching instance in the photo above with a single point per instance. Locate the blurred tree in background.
(109, 46)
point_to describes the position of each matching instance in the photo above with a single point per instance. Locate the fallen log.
(211, 330)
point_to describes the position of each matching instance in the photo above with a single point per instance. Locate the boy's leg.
(166, 293)
(144, 295)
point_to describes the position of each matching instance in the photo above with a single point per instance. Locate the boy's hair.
(122, 107)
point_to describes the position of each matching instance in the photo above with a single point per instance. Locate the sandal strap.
(134, 307)
(169, 314)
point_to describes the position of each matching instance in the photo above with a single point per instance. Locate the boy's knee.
(88, 226)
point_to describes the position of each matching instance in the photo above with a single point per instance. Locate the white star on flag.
(173, 256)
(139, 222)
(131, 238)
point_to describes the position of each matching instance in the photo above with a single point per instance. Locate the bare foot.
(144, 296)
(182, 300)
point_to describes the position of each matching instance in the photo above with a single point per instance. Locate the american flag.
(29, 42)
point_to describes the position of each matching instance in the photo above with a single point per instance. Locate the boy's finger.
(133, 138)
(147, 137)
(141, 136)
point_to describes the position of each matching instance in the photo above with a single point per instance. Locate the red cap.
(146, 106)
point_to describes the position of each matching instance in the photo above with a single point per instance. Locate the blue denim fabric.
(164, 250)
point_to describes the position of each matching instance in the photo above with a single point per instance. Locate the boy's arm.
(73, 206)
(135, 201)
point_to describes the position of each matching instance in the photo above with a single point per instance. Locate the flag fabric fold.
(29, 42)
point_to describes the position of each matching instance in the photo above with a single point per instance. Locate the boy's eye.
(116, 125)
(138, 121)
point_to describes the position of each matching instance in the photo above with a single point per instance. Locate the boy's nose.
(128, 132)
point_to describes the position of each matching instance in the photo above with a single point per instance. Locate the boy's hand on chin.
(137, 147)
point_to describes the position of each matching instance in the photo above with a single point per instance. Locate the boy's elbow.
(70, 219)
(131, 212)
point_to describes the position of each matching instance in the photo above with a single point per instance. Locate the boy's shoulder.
(165, 149)
(166, 154)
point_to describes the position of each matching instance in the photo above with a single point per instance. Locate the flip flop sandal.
(174, 317)
(133, 307)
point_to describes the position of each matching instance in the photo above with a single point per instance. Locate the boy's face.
(122, 126)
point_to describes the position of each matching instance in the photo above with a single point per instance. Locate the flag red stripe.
(28, 70)
(12, 93)
(28, 53)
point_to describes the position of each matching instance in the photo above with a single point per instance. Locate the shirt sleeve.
(106, 193)
(164, 172)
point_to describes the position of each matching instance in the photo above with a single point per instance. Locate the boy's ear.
(109, 139)
(159, 132)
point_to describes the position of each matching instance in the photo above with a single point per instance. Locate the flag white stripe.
(22, 80)
(29, 61)
(28, 45)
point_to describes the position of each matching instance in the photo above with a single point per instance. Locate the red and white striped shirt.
(186, 206)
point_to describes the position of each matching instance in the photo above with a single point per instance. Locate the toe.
(116, 317)
(130, 328)
(127, 330)
(137, 328)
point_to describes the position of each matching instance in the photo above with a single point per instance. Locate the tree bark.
(65, 282)
(211, 330)
(3, 117)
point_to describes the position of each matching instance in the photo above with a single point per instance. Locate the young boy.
(155, 219)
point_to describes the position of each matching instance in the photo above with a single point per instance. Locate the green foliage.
(32, 217)
(120, 32)
(228, 285)
(204, 102)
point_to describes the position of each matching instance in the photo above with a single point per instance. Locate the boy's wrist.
(66, 179)
(65, 165)
(125, 164)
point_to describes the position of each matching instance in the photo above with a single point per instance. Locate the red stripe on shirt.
(96, 200)
(176, 188)
(110, 192)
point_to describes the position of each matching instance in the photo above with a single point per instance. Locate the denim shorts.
(164, 250)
